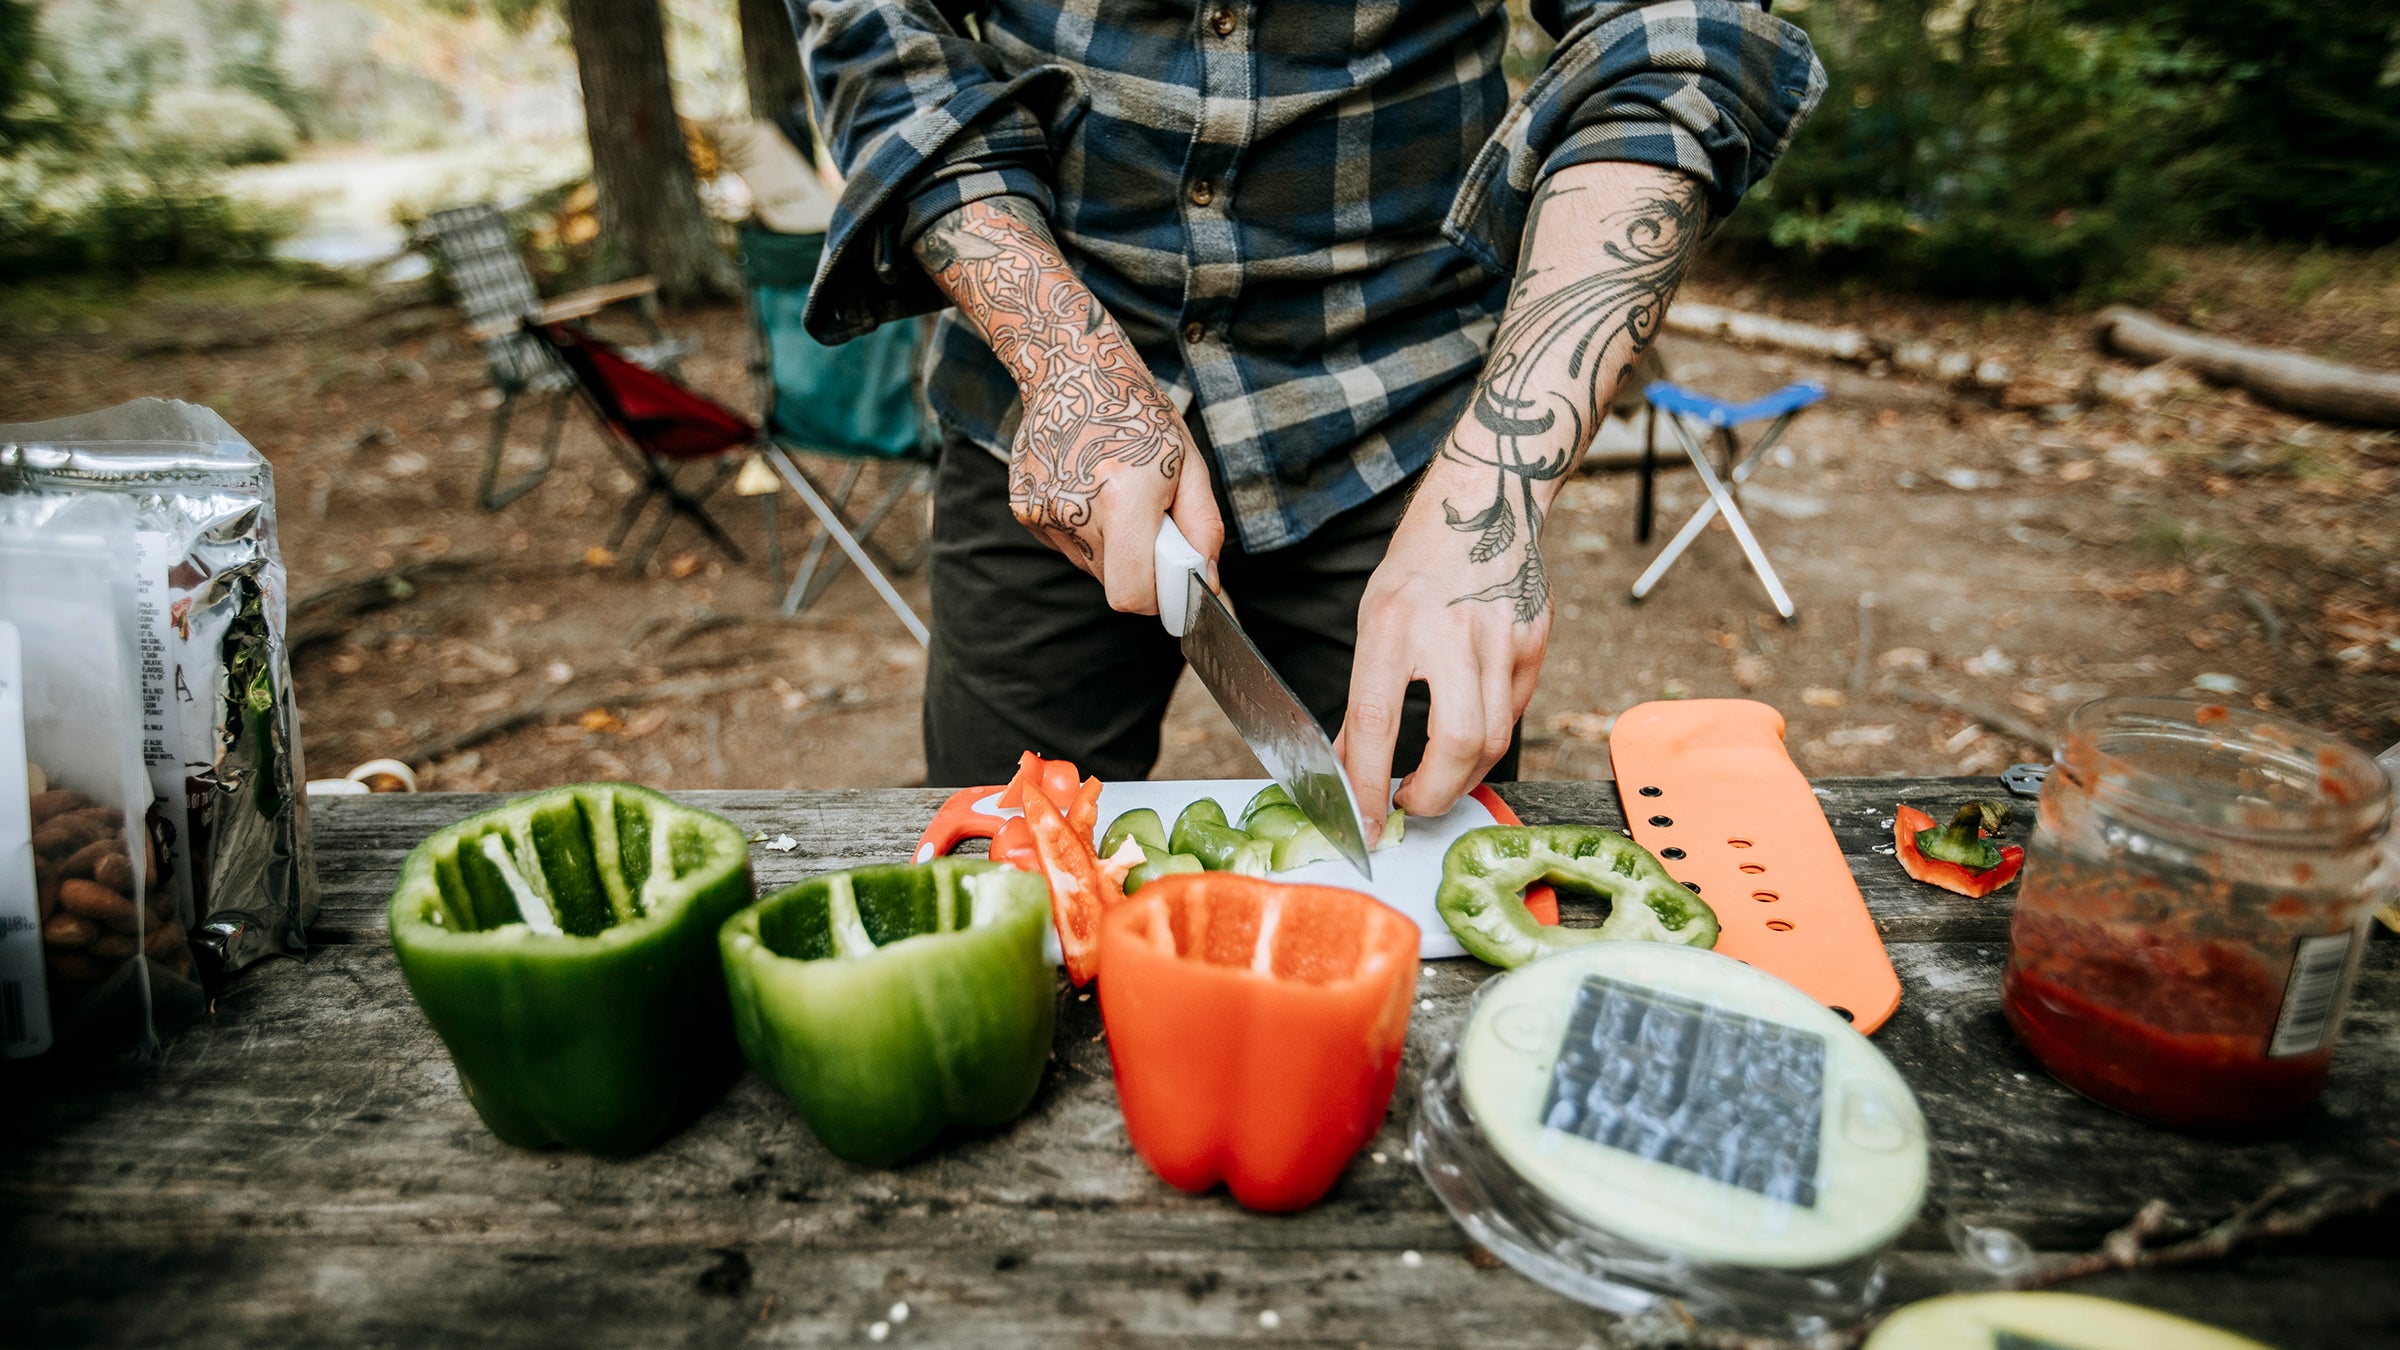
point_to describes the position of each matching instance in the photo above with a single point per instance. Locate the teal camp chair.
(856, 403)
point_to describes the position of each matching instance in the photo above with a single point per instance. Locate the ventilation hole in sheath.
(1779, 925)
(1765, 897)
(1662, 822)
(1753, 869)
(1739, 843)
(1651, 792)
(1841, 1012)
(1670, 853)
(1692, 886)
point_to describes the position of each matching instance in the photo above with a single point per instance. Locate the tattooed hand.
(1461, 600)
(1100, 454)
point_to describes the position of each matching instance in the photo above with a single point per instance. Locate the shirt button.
(1203, 192)
(1222, 22)
(1193, 332)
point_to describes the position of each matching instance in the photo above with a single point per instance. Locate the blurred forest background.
(2019, 149)
(215, 200)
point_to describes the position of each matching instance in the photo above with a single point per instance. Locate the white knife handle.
(1177, 562)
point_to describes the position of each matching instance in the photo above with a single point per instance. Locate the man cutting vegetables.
(1295, 275)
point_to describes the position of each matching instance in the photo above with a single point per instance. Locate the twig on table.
(2129, 1247)
(1998, 719)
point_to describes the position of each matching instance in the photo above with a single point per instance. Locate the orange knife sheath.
(1708, 787)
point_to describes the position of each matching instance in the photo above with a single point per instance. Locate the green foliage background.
(2037, 149)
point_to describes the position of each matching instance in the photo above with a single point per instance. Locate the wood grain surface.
(301, 1168)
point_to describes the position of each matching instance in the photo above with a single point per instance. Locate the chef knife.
(1287, 740)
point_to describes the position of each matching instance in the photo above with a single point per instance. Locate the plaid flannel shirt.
(1304, 213)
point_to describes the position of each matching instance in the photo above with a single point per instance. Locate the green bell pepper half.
(563, 947)
(1486, 871)
(892, 1003)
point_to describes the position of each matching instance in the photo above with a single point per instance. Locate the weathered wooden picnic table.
(300, 1168)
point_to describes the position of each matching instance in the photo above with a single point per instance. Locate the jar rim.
(2226, 769)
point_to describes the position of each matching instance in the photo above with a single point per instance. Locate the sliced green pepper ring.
(563, 948)
(1485, 873)
(892, 1003)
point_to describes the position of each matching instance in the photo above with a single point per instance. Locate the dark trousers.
(1027, 655)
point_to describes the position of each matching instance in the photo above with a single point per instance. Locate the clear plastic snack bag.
(92, 948)
(220, 732)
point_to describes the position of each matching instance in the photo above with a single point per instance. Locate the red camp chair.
(664, 427)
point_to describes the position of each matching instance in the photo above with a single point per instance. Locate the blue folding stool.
(1682, 407)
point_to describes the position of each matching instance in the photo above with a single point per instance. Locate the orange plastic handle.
(958, 821)
(1708, 787)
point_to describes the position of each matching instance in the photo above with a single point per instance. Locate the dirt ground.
(1968, 567)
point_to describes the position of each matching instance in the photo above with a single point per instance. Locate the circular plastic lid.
(1687, 1102)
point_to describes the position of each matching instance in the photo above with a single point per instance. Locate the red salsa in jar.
(2190, 909)
(2174, 1032)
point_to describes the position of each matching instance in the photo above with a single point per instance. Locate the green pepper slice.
(1485, 873)
(892, 1003)
(563, 948)
(1160, 865)
(1141, 825)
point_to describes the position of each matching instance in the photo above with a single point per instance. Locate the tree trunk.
(771, 58)
(649, 197)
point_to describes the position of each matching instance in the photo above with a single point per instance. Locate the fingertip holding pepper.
(564, 948)
(893, 1003)
(1255, 1029)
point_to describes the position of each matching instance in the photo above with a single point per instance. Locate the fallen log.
(2288, 380)
(1832, 344)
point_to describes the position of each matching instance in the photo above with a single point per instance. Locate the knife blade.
(1289, 744)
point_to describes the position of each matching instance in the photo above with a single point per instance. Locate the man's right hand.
(1101, 456)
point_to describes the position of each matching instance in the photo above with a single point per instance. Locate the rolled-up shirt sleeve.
(921, 120)
(1710, 88)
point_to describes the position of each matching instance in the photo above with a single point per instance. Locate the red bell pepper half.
(1918, 841)
(1255, 1028)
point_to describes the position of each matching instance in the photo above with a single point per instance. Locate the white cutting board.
(1406, 873)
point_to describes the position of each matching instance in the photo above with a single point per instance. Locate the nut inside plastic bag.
(92, 949)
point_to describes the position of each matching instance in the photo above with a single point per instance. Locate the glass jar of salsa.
(2194, 901)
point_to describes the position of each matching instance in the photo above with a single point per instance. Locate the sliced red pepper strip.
(1013, 845)
(1057, 777)
(1079, 892)
(1083, 810)
(1908, 820)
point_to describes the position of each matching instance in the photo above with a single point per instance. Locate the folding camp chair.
(1680, 404)
(498, 296)
(857, 402)
(663, 427)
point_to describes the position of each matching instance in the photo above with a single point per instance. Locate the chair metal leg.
(679, 502)
(839, 499)
(488, 493)
(766, 506)
(831, 523)
(1721, 499)
(865, 530)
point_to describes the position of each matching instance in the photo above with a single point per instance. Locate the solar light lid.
(1690, 1103)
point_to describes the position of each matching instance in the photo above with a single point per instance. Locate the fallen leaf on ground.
(683, 565)
(1905, 658)
(1845, 737)
(1583, 726)
(1751, 670)
(558, 672)
(596, 556)
(645, 722)
(600, 719)
(1818, 696)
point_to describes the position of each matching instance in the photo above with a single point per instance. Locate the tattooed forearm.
(1565, 343)
(1090, 405)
